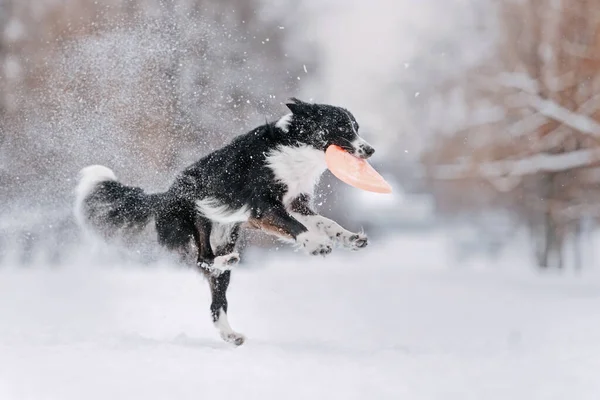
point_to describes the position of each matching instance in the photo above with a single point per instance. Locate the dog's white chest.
(298, 167)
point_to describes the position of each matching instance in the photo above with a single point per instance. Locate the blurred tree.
(531, 122)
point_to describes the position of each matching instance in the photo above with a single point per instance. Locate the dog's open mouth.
(354, 152)
(349, 149)
(358, 148)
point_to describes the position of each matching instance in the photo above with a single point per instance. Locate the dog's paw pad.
(358, 241)
(234, 338)
(322, 250)
(316, 245)
(318, 249)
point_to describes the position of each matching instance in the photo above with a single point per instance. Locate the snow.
(395, 321)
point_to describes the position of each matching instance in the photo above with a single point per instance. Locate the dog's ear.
(298, 107)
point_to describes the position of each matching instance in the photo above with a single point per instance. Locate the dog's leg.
(340, 236)
(301, 209)
(219, 284)
(277, 221)
(218, 307)
(206, 257)
(223, 240)
(216, 270)
(202, 232)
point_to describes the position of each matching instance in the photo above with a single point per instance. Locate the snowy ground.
(401, 326)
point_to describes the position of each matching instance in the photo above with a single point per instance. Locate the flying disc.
(355, 171)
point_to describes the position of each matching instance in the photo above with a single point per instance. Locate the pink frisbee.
(355, 171)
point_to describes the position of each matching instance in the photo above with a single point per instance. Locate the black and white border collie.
(263, 179)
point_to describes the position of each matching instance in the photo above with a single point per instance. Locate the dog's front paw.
(227, 261)
(316, 245)
(358, 241)
(353, 241)
(220, 264)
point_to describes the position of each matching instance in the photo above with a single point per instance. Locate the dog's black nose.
(368, 150)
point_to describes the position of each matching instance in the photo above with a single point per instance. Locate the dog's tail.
(107, 206)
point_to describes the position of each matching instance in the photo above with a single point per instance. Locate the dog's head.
(321, 125)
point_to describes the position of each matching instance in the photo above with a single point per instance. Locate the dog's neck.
(299, 167)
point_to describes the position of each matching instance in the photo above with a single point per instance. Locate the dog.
(263, 179)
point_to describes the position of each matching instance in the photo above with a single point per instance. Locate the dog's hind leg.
(207, 259)
(215, 269)
(218, 307)
(206, 256)
(223, 240)
(202, 239)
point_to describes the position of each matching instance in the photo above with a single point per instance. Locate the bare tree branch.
(521, 167)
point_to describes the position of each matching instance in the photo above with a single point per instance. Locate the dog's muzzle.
(362, 149)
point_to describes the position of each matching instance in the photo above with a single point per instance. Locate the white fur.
(321, 224)
(228, 334)
(227, 261)
(222, 323)
(221, 264)
(334, 231)
(298, 167)
(315, 242)
(89, 177)
(284, 122)
(216, 211)
(219, 234)
(359, 144)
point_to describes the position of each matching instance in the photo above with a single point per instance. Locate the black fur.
(131, 208)
(302, 205)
